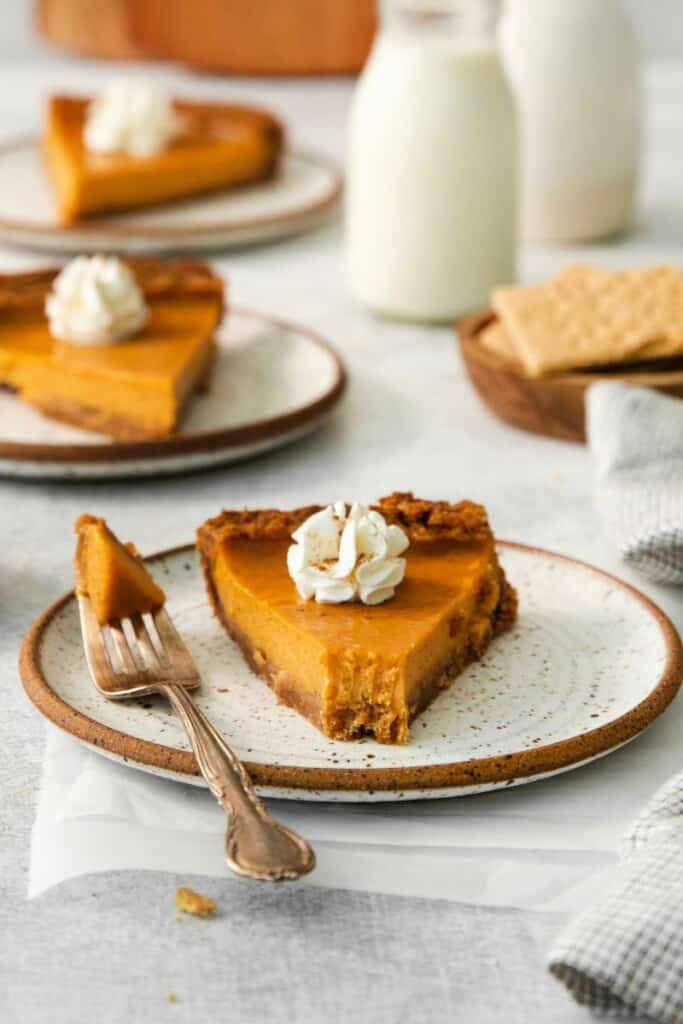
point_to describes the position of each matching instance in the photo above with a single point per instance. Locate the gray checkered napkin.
(636, 437)
(623, 957)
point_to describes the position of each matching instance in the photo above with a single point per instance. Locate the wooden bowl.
(555, 405)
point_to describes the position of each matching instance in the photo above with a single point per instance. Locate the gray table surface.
(108, 948)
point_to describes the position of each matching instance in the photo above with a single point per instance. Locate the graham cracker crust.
(157, 278)
(421, 520)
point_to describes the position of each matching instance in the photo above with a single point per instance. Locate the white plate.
(589, 665)
(271, 383)
(303, 193)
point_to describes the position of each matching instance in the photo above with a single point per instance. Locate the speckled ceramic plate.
(270, 384)
(302, 195)
(590, 664)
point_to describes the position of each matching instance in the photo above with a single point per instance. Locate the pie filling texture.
(133, 390)
(351, 669)
(112, 574)
(219, 146)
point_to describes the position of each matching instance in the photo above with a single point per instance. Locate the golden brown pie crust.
(189, 901)
(421, 520)
(156, 277)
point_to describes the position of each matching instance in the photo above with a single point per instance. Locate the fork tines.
(124, 658)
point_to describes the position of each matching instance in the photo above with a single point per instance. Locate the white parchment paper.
(540, 846)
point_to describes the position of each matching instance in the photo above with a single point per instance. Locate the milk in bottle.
(431, 173)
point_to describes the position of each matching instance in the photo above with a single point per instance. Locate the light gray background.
(659, 24)
(106, 948)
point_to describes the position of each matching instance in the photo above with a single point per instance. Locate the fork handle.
(256, 845)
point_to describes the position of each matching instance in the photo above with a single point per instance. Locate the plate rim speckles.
(184, 451)
(387, 783)
(95, 234)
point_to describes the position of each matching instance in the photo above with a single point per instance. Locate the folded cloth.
(624, 956)
(636, 438)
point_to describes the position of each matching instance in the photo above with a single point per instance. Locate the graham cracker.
(187, 901)
(591, 317)
(496, 339)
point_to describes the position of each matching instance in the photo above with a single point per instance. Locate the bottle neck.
(461, 19)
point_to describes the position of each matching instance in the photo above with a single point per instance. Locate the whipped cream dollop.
(341, 555)
(95, 300)
(130, 117)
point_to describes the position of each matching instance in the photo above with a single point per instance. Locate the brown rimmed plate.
(272, 382)
(303, 194)
(590, 664)
(553, 405)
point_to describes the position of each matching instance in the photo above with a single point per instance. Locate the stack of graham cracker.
(586, 317)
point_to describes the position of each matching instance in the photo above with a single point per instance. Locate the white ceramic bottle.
(431, 170)
(574, 67)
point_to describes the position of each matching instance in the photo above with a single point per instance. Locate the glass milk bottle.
(431, 169)
(574, 67)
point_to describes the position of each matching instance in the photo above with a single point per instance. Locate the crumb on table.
(188, 901)
(171, 997)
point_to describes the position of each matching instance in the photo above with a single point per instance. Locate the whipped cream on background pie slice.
(341, 555)
(130, 117)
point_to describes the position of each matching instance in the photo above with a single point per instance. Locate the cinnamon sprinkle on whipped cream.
(342, 555)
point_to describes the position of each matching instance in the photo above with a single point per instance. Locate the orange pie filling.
(219, 147)
(354, 669)
(112, 574)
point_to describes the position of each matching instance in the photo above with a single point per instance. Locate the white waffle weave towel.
(623, 957)
(636, 438)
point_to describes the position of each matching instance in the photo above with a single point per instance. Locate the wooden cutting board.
(255, 37)
(555, 405)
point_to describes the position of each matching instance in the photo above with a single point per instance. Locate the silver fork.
(256, 846)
